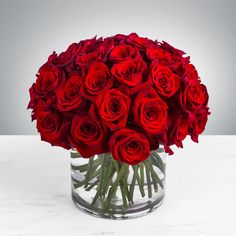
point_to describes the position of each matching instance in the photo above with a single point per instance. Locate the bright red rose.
(53, 128)
(48, 80)
(113, 107)
(165, 81)
(97, 81)
(123, 53)
(150, 112)
(194, 96)
(88, 135)
(69, 97)
(131, 73)
(129, 146)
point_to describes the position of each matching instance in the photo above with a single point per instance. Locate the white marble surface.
(35, 192)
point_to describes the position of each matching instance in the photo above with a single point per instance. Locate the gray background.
(31, 30)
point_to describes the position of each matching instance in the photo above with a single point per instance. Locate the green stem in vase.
(152, 172)
(141, 169)
(115, 185)
(108, 178)
(132, 185)
(123, 183)
(86, 181)
(92, 185)
(157, 161)
(149, 184)
(141, 187)
(101, 176)
(84, 168)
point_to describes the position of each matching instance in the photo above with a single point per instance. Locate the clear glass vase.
(105, 187)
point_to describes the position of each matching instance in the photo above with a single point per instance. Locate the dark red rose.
(93, 50)
(183, 126)
(157, 53)
(178, 128)
(190, 73)
(97, 81)
(48, 80)
(113, 107)
(129, 146)
(88, 135)
(69, 97)
(84, 61)
(165, 81)
(131, 73)
(119, 38)
(150, 112)
(123, 53)
(64, 58)
(175, 53)
(89, 45)
(36, 104)
(198, 124)
(194, 96)
(139, 42)
(53, 128)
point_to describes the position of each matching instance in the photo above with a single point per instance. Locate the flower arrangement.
(124, 95)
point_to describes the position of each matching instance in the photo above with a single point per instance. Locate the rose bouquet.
(119, 101)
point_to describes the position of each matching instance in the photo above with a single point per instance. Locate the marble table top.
(35, 194)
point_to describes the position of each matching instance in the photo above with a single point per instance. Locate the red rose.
(139, 42)
(89, 45)
(48, 80)
(175, 53)
(91, 51)
(69, 97)
(123, 53)
(64, 58)
(113, 107)
(157, 53)
(119, 38)
(165, 81)
(183, 126)
(150, 112)
(198, 124)
(88, 135)
(178, 128)
(130, 72)
(129, 146)
(37, 105)
(52, 128)
(97, 81)
(190, 73)
(84, 61)
(194, 96)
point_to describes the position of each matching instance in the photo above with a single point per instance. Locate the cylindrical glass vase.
(105, 187)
